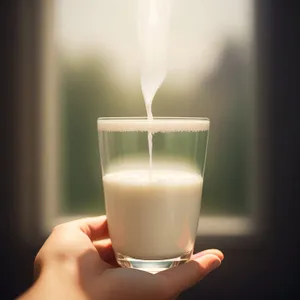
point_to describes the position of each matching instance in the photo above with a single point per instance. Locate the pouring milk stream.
(153, 27)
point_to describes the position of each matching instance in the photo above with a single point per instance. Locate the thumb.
(183, 277)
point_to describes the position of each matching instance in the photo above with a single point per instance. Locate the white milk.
(152, 219)
(153, 25)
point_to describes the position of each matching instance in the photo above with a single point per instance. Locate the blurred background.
(73, 61)
(94, 72)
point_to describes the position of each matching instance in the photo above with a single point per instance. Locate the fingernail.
(107, 255)
(214, 265)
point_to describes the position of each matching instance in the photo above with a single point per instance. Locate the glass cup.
(153, 201)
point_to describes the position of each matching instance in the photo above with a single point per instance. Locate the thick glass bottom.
(152, 266)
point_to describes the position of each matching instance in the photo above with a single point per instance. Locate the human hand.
(77, 262)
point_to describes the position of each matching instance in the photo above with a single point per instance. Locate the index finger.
(94, 227)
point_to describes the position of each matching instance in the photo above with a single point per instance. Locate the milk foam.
(154, 126)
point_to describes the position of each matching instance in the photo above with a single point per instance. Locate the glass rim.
(155, 118)
(157, 124)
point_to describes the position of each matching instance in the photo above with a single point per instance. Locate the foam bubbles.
(153, 126)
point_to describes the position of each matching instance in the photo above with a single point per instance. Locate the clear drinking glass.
(153, 201)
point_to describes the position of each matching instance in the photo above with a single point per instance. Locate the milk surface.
(152, 218)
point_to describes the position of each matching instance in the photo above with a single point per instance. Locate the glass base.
(152, 266)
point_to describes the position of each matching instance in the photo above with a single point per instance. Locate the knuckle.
(57, 228)
(37, 266)
(37, 259)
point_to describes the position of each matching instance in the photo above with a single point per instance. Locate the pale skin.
(77, 262)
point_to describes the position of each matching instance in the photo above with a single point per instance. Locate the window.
(91, 70)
